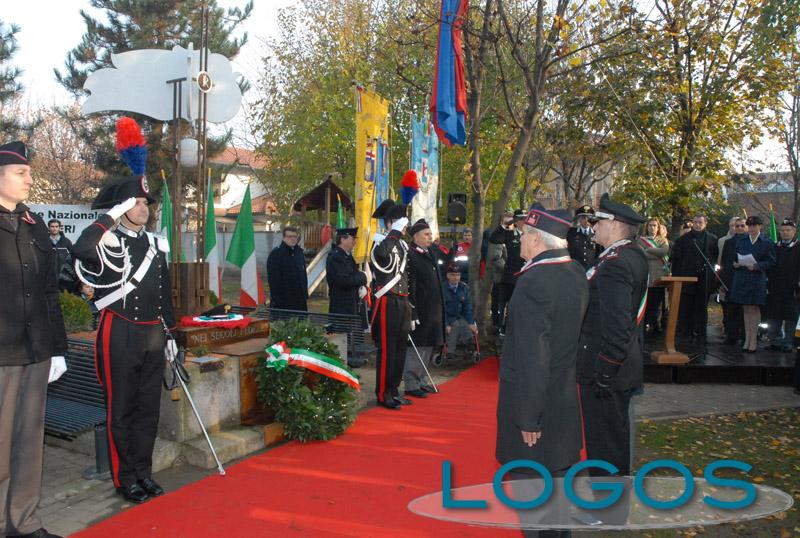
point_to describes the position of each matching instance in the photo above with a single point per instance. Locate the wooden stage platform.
(719, 363)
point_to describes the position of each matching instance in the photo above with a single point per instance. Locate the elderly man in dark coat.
(782, 288)
(427, 302)
(34, 345)
(610, 362)
(286, 273)
(538, 414)
(346, 284)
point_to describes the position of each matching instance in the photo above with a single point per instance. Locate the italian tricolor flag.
(242, 254)
(212, 252)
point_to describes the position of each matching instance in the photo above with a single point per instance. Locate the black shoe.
(428, 388)
(417, 393)
(390, 403)
(151, 487)
(39, 533)
(402, 401)
(133, 493)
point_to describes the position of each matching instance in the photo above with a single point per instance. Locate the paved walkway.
(71, 503)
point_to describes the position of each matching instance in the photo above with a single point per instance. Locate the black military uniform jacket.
(426, 297)
(582, 247)
(392, 251)
(152, 297)
(538, 391)
(32, 329)
(344, 279)
(287, 278)
(611, 343)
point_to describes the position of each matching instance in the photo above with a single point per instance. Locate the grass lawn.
(768, 441)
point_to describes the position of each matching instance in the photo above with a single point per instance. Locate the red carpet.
(357, 485)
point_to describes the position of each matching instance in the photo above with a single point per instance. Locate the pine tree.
(147, 24)
(10, 87)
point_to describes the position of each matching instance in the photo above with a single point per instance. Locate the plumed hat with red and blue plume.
(409, 186)
(131, 145)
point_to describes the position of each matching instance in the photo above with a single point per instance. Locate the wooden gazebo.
(324, 200)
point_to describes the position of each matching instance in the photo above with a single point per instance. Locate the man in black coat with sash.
(346, 284)
(130, 270)
(692, 254)
(782, 288)
(427, 302)
(286, 273)
(34, 345)
(538, 413)
(610, 362)
(391, 316)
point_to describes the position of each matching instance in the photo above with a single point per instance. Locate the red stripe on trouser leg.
(98, 342)
(112, 447)
(383, 372)
(584, 455)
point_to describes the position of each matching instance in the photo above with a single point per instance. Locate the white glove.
(362, 292)
(121, 208)
(368, 273)
(414, 324)
(57, 368)
(377, 238)
(171, 349)
(400, 224)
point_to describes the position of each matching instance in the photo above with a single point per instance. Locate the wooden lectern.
(673, 285)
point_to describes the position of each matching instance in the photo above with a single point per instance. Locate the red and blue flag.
(449, 95)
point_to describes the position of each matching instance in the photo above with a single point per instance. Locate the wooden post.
(670, 355)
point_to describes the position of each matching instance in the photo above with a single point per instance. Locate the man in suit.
(508, 233)
(346, 284)
(428, 304)
(538, 416)
(692, 255)
(34, 345)
(580, 239)
(286, 273)
(610, 363)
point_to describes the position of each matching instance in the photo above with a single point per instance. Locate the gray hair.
(549, 240)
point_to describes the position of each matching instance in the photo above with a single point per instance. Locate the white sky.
(49, 29)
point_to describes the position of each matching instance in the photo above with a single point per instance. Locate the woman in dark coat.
(750, 280)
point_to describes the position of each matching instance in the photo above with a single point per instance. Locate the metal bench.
(76, 404)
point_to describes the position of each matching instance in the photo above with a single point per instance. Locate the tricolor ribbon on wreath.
(279, 355)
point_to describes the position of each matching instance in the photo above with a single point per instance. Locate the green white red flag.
(242, 254)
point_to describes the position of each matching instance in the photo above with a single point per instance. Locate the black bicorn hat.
(788, 222)
(555, 222)
(610, 209)
(13, 153)
(418, 226)
(390, 210)
(119, 189)
(584, 211)
(352, 232)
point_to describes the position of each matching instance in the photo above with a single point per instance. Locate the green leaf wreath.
(310, 406)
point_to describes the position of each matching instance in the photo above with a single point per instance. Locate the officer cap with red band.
(13, 153)
(556, 222)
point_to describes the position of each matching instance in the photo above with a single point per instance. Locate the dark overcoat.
(782, 283)
(750, 287)
(288, 281)
(511, 239)
(611, 342)
(344, 279)
(32, 329)
(426, 297)
(538, 392)
(726, 260)
(687, 259)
